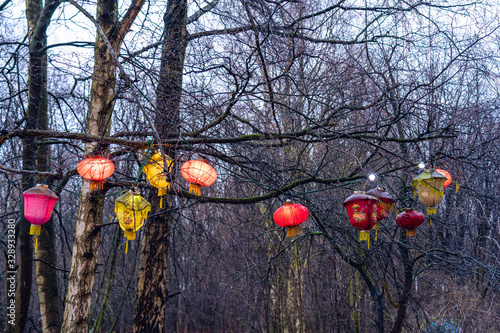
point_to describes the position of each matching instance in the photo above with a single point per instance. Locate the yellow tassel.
(457, 187)
(431, 211)
(35, 229)
(36, 243)
(293, 231)
(195, 189)
(411, 232)
(130, 234)
(375, 227)
(126, 247)
(163, 191)
(161, 202)
(430, 221)
(365, 236)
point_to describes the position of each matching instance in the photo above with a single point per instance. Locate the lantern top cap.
(41, 189)
(288, 202)
(360, 195)
(428, 174)
(380, 193)
(133, 200)
(409, 209)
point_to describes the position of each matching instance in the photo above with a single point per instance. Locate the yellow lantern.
(131, 211)
(156, 173)
(429, 188)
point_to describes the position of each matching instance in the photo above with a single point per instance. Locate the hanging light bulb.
(372, 177)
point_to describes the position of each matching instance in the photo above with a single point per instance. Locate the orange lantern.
(198, 173)
(289, 216)
(95, 169)
(447, 175)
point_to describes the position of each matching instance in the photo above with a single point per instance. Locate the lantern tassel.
(293, 231)
(431, 211)
(126, 247)
(457, 186)
(375, 227)
(195, 189)
(161, 202)
(411, 232)
(365, 236)
(36, 243)
(96, 185)
(430, 221)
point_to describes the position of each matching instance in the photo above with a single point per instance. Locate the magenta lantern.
(39, 203)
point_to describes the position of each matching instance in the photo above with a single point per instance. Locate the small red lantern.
(410, 219)
(39, 203)
(385, 205)
(289, 216)
(447, 175)
(95, 169)
(198, 173)
(362, 211)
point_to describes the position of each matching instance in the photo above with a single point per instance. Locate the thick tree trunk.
(151, 295)
(38, 18)
(87, 229)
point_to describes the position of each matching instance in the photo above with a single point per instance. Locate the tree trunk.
(151, 295)
(38, 18)
(87, 228)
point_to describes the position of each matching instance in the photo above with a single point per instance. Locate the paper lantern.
(156, 173)
(198, 173)
(131, 211)
(95, 169)
(447, 175)
(362, 212)
(39, 203)
(410, 219)
(385, 204)
(429, 188)
(289, 216)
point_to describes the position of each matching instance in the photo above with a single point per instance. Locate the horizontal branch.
(317, 137)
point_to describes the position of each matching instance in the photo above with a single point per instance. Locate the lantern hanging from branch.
(410, 219)
(198, 173)
(429, 188)
(289, 216)
(445, 173)
(156, 173)
(362, 212)
(386, 204)
(131, 211)
(96, 169)
(39, 203)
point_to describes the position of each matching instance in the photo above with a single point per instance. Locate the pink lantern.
(39, 203)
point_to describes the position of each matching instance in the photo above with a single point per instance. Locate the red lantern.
(447, 175)
(362, 211)
(289, 216)
(385, 205)
(95, 169)
(198, 173)
(39, 203)
(410, 219)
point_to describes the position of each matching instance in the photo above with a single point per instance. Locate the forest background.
(287, 99)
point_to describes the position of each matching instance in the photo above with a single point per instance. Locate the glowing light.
(372, 176)
(421, 165)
